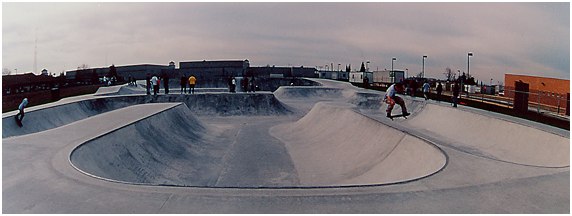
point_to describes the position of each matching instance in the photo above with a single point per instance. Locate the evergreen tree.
(362, 69)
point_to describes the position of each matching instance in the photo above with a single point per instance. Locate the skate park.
(325, 148)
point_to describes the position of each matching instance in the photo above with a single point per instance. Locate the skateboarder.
(20, 114)
(391, 99)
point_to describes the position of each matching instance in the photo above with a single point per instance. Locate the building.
(29, 82)
(273, 71)
(387, 77)
(549, 91)
(136, 71)
(213, 69)
(358, 77)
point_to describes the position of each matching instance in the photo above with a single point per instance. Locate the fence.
(539, 101)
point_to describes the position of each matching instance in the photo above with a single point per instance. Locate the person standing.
(391, 99)
(155, 83)
(230, 84)
(413, 88)
(148, 82)
(439, 91)
(244, 84)
(166, 82)
(21, 114)
(192, 83)
(456, 90)
(233, 85)
(183, 84)
(252, 84)
(426, 88)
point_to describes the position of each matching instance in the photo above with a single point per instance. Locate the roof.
(27, 78)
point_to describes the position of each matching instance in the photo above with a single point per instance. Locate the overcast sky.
(517, 38)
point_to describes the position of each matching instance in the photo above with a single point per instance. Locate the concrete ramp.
(169, 148)
(493, 138)
(302, 92)
(220, 104)
(335, 146)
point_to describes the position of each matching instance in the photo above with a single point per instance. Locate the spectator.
(426, 90)
(439, 91)
(192, 83)
(155, 83)
(183, 84)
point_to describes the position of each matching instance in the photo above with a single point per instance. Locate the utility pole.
(36, 52)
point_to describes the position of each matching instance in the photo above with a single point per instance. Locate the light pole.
(468, 56)
(423, 70)
(392, 59)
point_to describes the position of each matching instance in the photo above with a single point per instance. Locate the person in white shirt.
(391, 99)
(155, 83)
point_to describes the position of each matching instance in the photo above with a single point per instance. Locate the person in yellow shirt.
(192, 82)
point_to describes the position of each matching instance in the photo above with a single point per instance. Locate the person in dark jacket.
(183, 84)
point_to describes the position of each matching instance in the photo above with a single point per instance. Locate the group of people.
(131, 81)
(154, 83)
(391, 98)
(247, 85)
(192, 81)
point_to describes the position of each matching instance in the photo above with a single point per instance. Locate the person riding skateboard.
(391, 99)
(21, 114)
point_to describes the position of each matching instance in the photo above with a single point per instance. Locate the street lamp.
(468, 56)
(423, 70)
(392, 59)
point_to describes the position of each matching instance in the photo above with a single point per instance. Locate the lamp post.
(423, 70)
(468, 56)
(392, 59)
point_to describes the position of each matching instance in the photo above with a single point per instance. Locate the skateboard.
(400, 115)
(19, 123)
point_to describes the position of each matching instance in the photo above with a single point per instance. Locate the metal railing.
(539, 101)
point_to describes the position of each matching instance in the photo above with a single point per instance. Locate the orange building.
(549, 91)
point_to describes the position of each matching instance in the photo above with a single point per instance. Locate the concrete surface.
(327, 151)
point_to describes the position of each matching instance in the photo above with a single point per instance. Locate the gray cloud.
(522, 38)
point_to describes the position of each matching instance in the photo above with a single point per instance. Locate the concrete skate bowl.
(493, 138)
(172, 147)
(333, 145)
(219, 104)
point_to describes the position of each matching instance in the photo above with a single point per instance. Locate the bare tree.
(449, 74)
(83, 67)
(6, 71)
